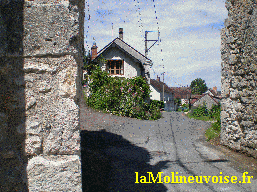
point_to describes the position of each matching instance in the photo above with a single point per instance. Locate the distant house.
(206, 98)
(156, 87)
(182, 93)
(210, 97)
(194, 98)
(122, 59)
(213, 92)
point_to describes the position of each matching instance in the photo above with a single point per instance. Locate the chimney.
(93, 51)
(158, 78)
(215, 89)
(121, 33)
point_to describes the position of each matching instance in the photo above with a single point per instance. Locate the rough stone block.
(54, 173)
(247, 124)
(30, 102)
(63, 136)
(53, 32)
(233, 58)
(247, 100)
(67, 82)
(33, 127)
(234, 82)
(50, 28)
(223, 115)
(243, 83)
(238, 106)
(225, 88)
(33, 145)
(234, 94)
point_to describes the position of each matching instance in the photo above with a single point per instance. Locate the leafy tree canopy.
(198, 86)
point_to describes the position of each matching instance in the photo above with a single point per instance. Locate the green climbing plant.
(123, 97)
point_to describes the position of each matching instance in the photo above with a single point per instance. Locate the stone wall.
(41, 45)
(239, 74)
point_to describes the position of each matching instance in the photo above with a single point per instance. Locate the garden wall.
(41, 45)
(239, 74)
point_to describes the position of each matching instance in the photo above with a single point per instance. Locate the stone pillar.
(239, 74)
(41, 49)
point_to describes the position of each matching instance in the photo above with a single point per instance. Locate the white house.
(156, 87)
(122, 59)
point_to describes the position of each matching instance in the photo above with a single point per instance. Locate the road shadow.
(109, 163)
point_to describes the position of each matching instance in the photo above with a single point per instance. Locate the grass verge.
(203, 118)
(212, 132)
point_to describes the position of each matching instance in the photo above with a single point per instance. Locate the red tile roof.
(181, 92)
(197, 96)
(159, 86)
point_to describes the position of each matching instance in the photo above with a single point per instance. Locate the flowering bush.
(125, 97)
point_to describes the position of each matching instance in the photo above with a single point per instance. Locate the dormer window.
(115, 67)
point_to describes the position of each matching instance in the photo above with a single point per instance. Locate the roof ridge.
(213, 98)
(133, 48)
(155, 83)
(113, 41)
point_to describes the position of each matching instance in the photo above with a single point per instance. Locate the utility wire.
(157, 23)
(139, 19)
(88, 18)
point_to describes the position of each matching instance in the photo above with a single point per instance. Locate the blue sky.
(189, 34)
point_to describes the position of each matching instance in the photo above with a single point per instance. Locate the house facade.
(207, 98)
(156, 87)
(122, 59)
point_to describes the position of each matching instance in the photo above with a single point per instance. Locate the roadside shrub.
(200, 111)
(159, 104)
(185, 107)
(211, 134)
(124, 97)
(214, 112)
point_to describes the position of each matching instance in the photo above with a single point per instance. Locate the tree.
(89, 65)
(198, 86)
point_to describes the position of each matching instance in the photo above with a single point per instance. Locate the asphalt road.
(138, 152)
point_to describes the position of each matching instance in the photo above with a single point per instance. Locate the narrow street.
(174, 145)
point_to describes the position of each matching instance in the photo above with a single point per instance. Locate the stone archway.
(41, 45)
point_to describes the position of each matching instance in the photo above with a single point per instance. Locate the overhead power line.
(88, 18)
